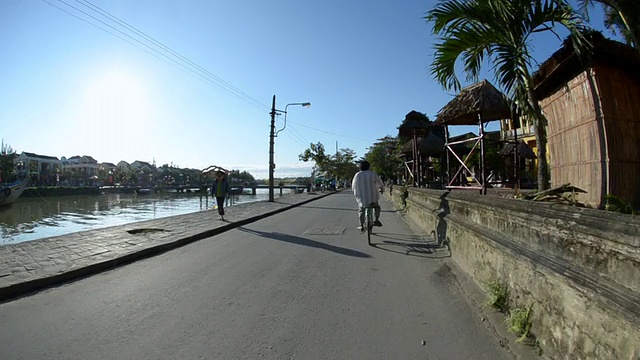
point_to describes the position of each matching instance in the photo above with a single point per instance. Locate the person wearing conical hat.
(220, 190)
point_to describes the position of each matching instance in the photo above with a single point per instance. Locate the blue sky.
(201, 94)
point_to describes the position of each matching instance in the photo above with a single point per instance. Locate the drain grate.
(145, 231)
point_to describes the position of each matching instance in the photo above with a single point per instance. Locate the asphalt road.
(302, 284)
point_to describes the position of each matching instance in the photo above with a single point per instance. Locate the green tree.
(343, 164)
(316, 153)
(383, 157)
(238, 177)
(620, 15)
(7, 165)
(103, 173)
(499, 31)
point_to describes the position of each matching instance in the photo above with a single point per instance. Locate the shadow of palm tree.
(306, 242)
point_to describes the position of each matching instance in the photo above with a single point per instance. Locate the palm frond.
(450, 14)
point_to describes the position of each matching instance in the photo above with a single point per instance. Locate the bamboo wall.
(595, 144)
(620, 99)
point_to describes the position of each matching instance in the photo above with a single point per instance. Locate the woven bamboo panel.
(593, 114)
(573, 139)
(625, 186)
(587, 150)
(620, 99)
(572, 106)
(620, 92)
(583, 176)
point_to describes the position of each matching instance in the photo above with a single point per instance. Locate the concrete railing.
(578, 269)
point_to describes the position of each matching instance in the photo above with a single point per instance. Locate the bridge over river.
(237, 189)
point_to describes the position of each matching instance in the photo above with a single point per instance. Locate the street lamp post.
(273, 134)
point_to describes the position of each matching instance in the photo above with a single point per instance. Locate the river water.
(31, 219)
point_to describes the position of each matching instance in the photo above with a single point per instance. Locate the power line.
(114, 18)
(295, 131)
(183, 63)
(328, 132)
(289, 133)
(237, 93)
(296, 138)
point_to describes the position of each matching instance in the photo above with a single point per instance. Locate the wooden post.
(416, 178)
(483, 186)
(516, 161)
(271, 143)
(446, 145)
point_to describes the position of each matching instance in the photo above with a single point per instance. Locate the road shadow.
(354, 209)
(305, 242)
(327, 208)
(410, 245)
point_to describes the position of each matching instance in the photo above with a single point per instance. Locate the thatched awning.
(414, 122)
(524, 150)
(480, 99)
(564, 64)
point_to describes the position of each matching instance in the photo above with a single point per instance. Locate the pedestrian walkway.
(34, 265)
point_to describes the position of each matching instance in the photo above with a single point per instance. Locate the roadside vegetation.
(517, 319)
(7, 166)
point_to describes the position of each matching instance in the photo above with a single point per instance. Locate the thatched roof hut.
(414, 123)
(524, 151)
(476, 104)
(565, 64)
(430, 145)
(592, 110)
(480, 99)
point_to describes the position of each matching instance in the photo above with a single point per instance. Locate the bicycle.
(368, 216)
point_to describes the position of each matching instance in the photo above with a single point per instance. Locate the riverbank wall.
(574, 271)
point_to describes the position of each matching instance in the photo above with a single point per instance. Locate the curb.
(28, 287)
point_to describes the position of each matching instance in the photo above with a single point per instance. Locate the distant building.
(143, 166)
(84, 168)
(123, 166)
(40, 168)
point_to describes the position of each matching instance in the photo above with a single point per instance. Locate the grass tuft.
(617, 204)
(498, 295)
(518, 322)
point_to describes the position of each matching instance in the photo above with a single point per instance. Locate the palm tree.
(499, 31)
(623, 15)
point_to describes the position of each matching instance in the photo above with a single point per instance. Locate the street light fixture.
(303, 104)
(273, 134)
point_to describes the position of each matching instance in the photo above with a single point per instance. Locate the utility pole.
(271, 140)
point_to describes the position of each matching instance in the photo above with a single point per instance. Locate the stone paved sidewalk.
(34, 265)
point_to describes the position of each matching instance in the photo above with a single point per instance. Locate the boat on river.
(10, 193)
(143, 191)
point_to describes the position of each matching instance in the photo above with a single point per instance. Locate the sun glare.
(118, 96)
(117, 107)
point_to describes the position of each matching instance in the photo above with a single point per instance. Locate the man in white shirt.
(366, 187)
